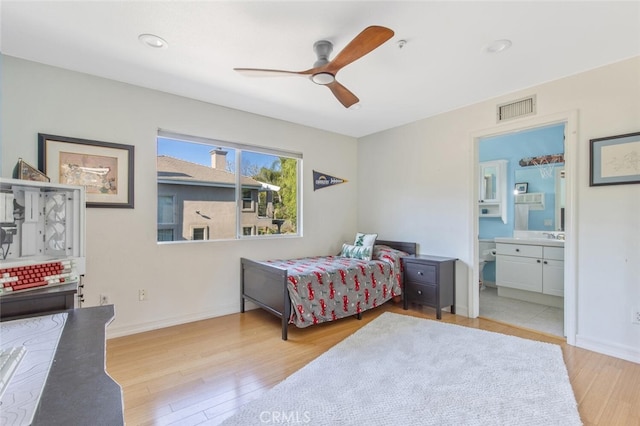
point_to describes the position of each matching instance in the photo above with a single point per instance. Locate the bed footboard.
(266, 286)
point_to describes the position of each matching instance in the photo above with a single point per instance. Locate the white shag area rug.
(402, 370)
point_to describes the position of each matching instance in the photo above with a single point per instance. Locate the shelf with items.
(535, 200)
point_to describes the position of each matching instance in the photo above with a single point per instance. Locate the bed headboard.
(410, 248)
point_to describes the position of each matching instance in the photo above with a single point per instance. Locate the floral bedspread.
(332, 287)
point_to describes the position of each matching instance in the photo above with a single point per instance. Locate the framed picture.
(521, 188)
(105, 169)
(615, 160)
(26, 171)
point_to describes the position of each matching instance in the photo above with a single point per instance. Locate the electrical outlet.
(635, 319)
(104, 299)
(142, 294)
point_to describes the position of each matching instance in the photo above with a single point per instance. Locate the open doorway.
(567, 122)
(512, 246)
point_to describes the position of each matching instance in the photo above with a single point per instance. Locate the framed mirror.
(549, 218)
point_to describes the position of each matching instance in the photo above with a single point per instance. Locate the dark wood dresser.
(430, 281)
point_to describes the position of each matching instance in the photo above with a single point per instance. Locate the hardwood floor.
(200, 373)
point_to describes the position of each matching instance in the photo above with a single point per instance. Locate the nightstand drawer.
(421, 273)
(430, 281)
(422, 294)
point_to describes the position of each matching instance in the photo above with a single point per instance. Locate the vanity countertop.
(531, 241)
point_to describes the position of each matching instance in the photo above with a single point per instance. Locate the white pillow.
(365, 240)
(356, 252)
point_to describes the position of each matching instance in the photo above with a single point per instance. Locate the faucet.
(549, 235)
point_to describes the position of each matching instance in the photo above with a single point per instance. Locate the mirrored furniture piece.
(492, 189)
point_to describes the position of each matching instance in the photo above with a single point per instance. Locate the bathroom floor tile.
(524, 314)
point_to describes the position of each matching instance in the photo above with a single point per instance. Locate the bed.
(313, 290)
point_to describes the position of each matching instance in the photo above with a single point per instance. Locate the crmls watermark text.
(285, 417)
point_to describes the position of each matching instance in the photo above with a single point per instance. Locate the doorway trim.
(570, 120)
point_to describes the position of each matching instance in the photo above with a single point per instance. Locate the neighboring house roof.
(174, 170)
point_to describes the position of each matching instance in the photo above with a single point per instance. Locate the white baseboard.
(462, 311)
(113, 332)
(608, 348)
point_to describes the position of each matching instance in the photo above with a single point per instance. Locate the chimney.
(218, 159)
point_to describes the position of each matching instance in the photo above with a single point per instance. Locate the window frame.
(205, 232)
(239, 149)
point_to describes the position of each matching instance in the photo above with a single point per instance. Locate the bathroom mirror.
(488, 184)
(552, 217)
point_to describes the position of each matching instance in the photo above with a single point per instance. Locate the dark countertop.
(78, 390)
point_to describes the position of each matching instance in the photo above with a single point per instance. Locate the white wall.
(411, 183)
(414, 180)
(184, 282)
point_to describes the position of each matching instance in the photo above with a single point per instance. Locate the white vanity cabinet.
(553, 271)
(530, 267)
(492, 189)
(519, 266)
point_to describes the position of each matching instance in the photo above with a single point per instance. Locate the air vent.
(517, 109)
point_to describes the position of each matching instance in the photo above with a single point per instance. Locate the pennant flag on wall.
(322, 180)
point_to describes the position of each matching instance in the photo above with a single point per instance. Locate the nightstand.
(430, 281)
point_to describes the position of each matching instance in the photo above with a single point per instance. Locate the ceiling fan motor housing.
(323, 49)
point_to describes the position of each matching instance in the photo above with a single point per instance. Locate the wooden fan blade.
(260, 72)
(343, 94)
(369, 39)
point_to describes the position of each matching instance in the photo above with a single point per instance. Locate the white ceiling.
(443, 65)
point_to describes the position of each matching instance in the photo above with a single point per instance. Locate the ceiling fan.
(324, 71)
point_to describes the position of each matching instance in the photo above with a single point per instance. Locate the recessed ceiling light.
(153, 41)
(498, 46)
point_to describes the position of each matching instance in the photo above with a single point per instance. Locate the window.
(165, 234)
(166, 210)
(217, 190)
(166, 217)
(199, 233)
(247, 200)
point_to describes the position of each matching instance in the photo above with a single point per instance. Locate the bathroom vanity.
(531, 269)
